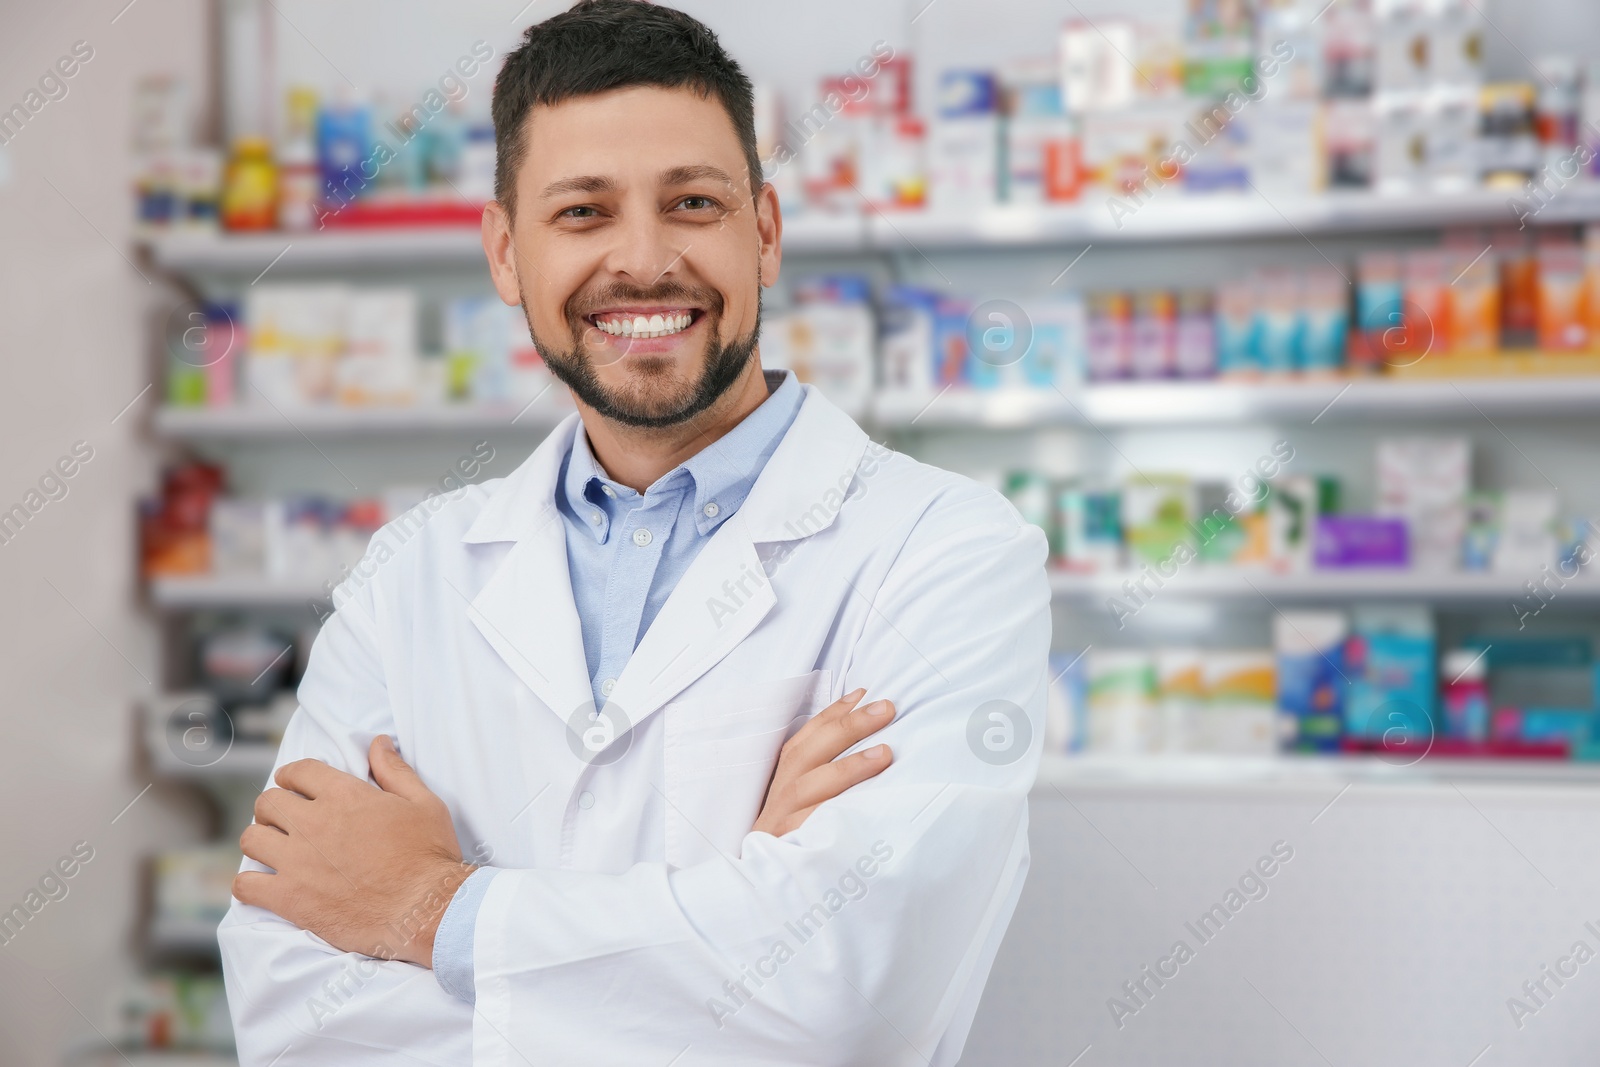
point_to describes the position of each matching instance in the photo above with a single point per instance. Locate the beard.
(657, 396)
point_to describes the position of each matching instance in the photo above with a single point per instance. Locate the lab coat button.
(586, 800)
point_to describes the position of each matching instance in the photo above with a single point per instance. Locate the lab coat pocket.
(721, 746)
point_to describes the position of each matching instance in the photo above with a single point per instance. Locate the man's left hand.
(369, 870)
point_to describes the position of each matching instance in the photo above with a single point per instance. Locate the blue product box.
(1391, 662)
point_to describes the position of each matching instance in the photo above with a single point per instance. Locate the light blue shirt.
(626, 552)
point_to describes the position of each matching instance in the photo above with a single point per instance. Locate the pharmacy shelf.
(104, 1056)
(1197, 581)
(1120, 404)
(263, 421)
(1193, 581)
(1315, 776)
(189, 936)
(1172, 215)
(199, 251)
(1211, 402)
(249, 761)
(195, 592)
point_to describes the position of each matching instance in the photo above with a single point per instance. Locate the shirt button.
(641, 537)
(586, 800)
(596, 518)
(711, 510)
(607, 686)
(608, 491)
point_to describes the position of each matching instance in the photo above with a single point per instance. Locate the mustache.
(581, 305)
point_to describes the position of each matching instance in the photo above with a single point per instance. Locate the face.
(637, 251)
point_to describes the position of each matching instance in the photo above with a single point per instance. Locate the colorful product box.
(1392, 670)
(1311, 677)
(1360, 541)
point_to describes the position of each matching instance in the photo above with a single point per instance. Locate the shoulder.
(927, 503)
(422, 538)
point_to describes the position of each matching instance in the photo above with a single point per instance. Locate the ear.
(769, 231)
(501, 250)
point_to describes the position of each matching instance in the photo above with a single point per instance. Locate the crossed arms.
(875, 987)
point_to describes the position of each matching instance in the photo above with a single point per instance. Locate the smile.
(662, 323)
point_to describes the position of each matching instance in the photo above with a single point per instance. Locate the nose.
(644, 249)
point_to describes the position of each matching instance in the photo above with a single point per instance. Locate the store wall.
(74, 650)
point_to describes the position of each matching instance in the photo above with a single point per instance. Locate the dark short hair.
(601, 45)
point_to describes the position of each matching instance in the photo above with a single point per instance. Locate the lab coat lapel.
(525, 610)
(721, 597)
(726, 591)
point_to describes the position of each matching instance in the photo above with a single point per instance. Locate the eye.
(584, 212)
(697, 203)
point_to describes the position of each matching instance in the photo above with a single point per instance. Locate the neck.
(637, 456)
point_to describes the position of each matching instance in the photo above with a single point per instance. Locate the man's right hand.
(809, 770)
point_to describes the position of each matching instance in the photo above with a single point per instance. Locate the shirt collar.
(721, 474)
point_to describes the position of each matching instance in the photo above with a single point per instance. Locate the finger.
(258, 889)
(821, 742)
(832, 778)
(280, 808)
(264, 845)
(310, 777)
(393, 774)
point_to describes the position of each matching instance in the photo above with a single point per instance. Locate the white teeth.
(646, 326)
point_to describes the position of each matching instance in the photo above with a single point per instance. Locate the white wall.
(74, 650)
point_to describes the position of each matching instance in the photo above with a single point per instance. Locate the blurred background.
(1281, 318)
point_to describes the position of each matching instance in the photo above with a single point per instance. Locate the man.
(592, 666)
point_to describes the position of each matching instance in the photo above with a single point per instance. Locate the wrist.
(417, 929)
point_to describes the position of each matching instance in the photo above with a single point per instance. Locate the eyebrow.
(599, 183)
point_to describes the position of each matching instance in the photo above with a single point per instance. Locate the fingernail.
(878, 707)
(856, 694)
(877, 752)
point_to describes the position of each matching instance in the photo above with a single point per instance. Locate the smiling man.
(628, 682)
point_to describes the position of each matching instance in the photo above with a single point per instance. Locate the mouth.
(645, 322)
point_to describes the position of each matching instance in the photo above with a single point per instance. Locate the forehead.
(635, 133)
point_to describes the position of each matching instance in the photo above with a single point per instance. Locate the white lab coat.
(638, 918)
